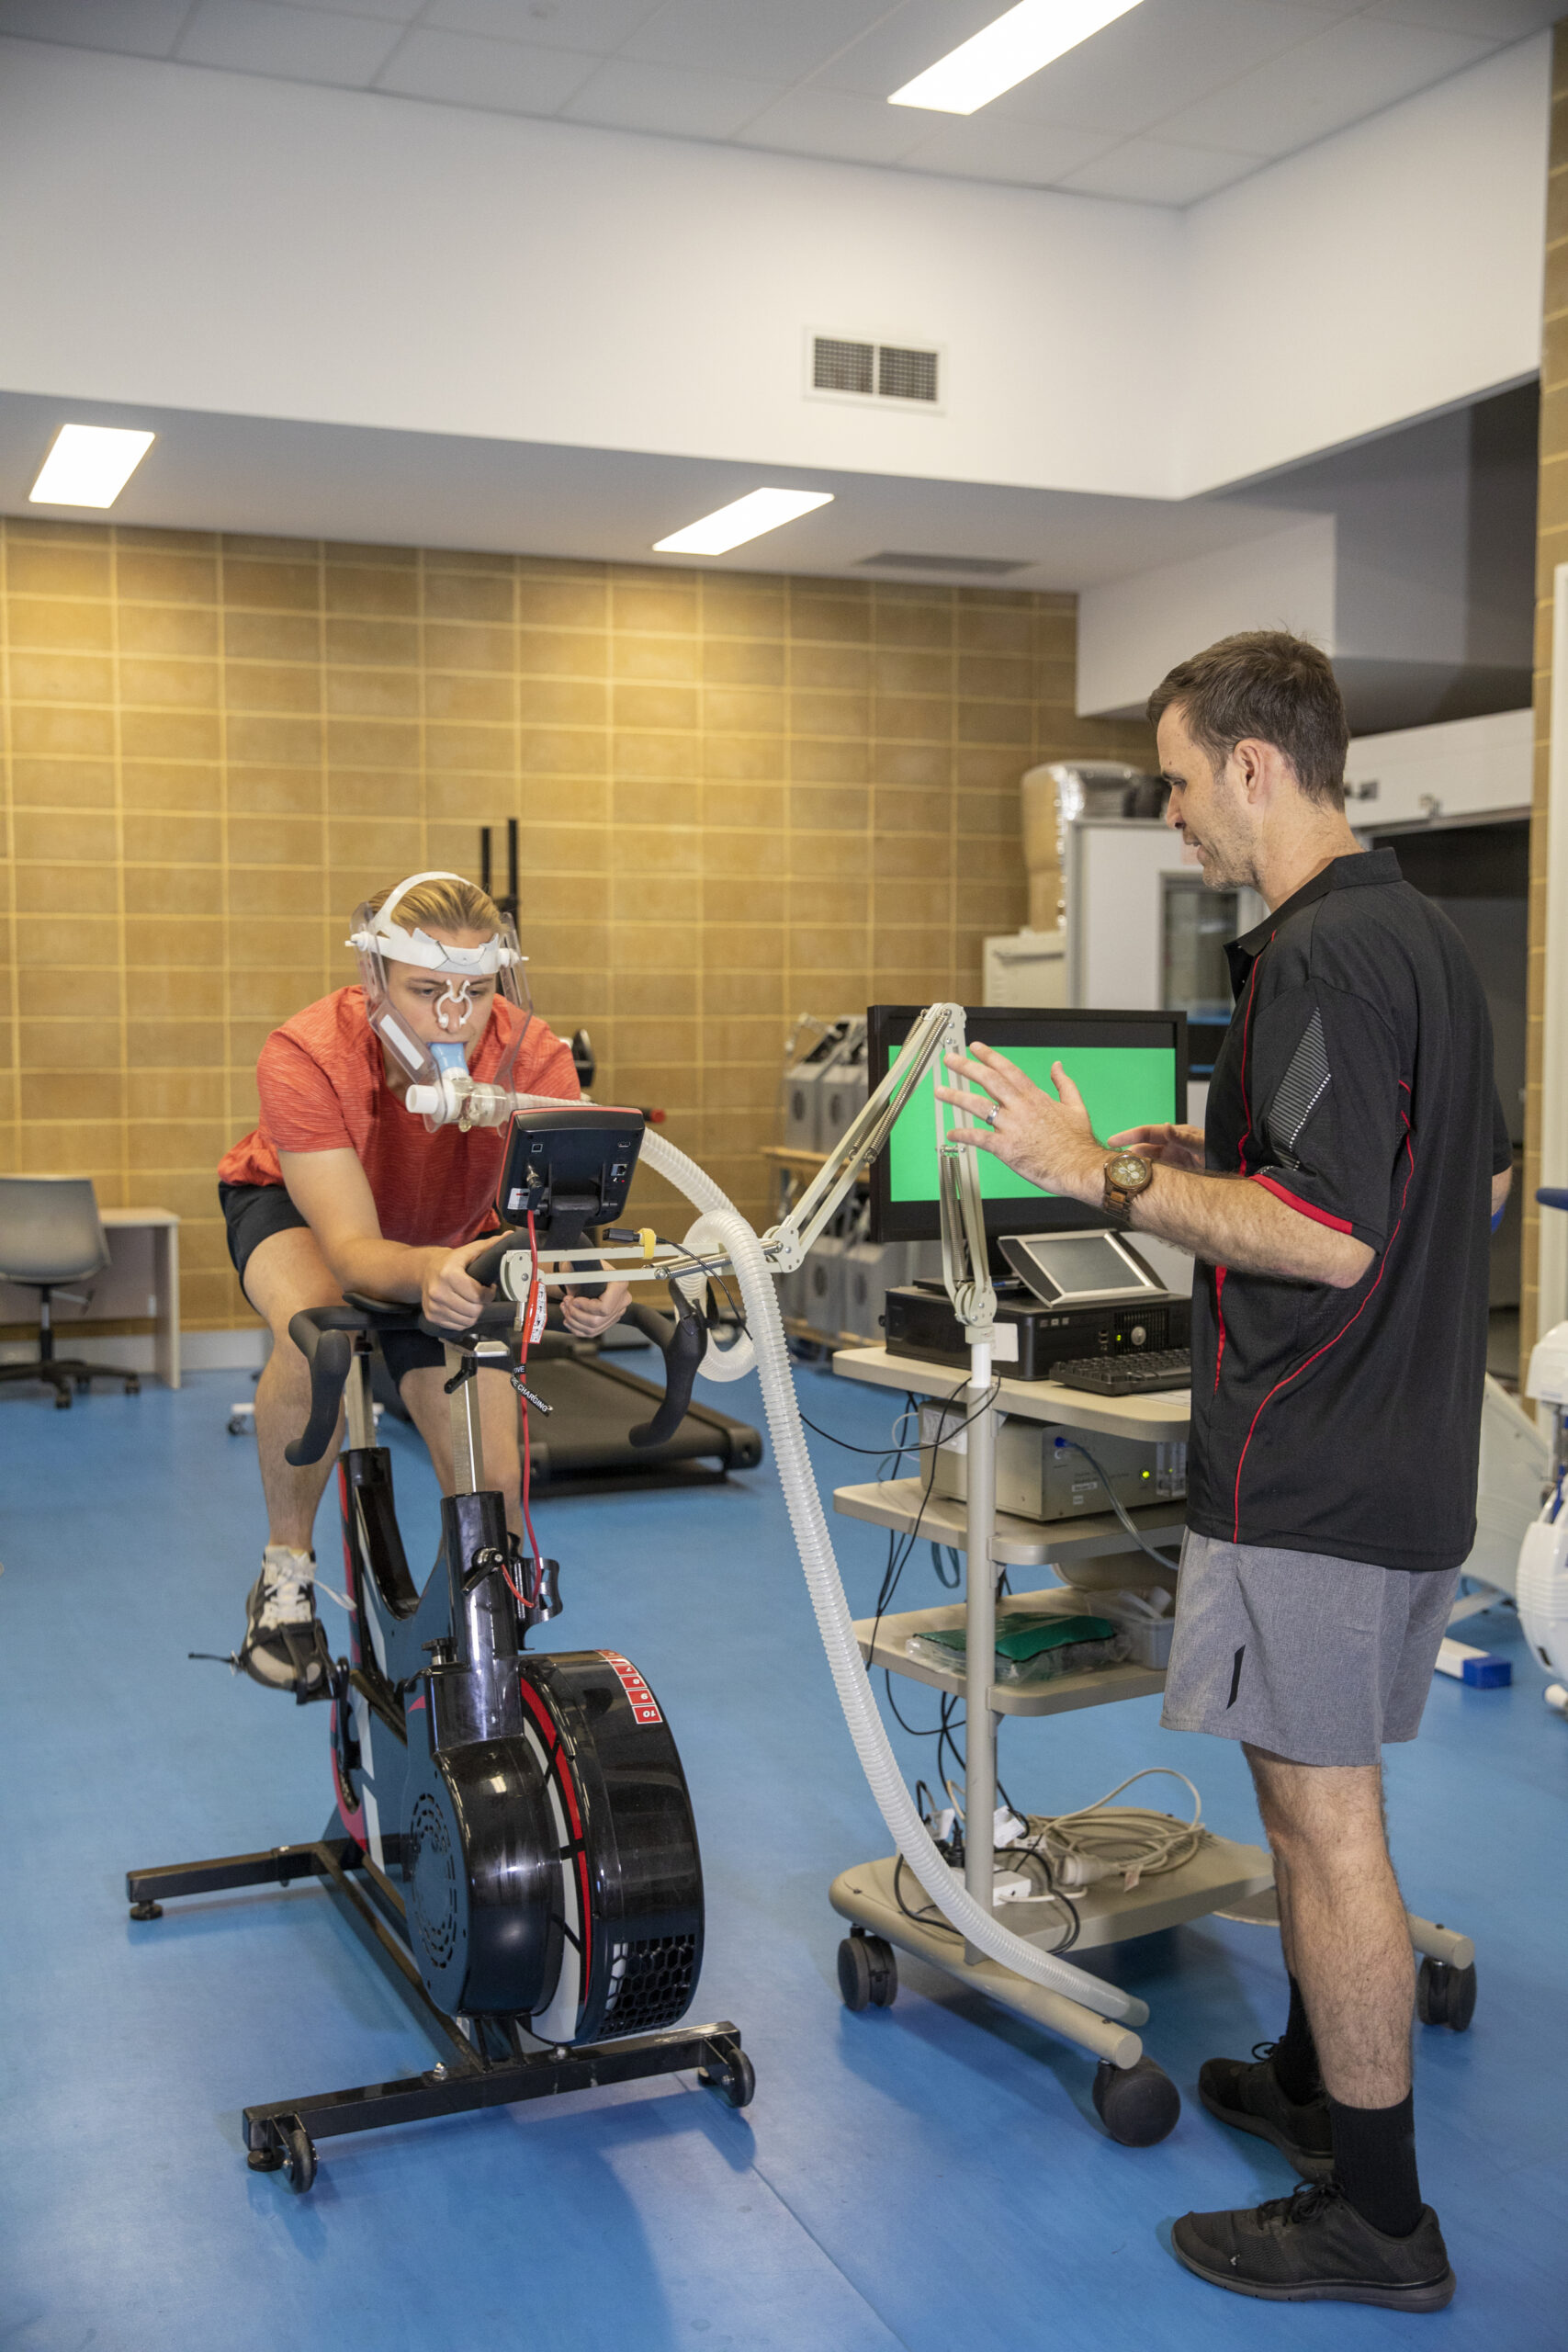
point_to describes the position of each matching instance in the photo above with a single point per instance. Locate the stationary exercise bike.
(513, 1829)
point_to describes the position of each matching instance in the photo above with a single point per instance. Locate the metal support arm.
(939, 1031)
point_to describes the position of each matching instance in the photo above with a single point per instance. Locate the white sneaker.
(283, 1646)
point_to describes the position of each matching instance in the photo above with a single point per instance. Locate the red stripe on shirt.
(1318, 1216)
(1306, 1361)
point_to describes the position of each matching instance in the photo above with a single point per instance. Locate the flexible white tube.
(722, 1230)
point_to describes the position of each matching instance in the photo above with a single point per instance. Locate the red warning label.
(644, 1707)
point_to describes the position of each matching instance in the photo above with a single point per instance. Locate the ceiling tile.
(136, 28)
(299, 44)
(625, 95)
(815, 122)
(1497, 20)
(1162, 55)
(594, 25)
(1340, 77)
(1156, 171)
(503, 77)
(772, 42)
(1137, 72)
(1025, 154)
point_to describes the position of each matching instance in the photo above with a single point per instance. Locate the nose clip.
(461, 1003)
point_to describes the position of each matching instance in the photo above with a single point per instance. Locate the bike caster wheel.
(736, 2083)
(1445, 1995)
(1137, 2104)
(868, 1972)
(298, 2157)
(62, 1400)
(134, 1387)
(146, 1910)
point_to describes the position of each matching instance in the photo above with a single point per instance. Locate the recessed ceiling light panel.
(742, 519)
(1006, 53)
(89, 465)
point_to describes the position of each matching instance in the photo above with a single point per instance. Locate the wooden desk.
(141, 1281)
(161, 1228)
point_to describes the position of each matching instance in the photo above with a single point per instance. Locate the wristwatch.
(1127, 1173)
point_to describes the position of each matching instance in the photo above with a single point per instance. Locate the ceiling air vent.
(974, 567)
(843, 367)
(905, 374)
(840, 367)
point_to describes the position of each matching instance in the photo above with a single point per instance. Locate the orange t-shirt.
(323, 1088)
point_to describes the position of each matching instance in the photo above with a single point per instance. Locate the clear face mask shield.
(438, 1069)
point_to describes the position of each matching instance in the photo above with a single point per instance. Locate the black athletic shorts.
(253, 1213)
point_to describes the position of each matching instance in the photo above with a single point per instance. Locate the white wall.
(257, 248)
(222, 241)
(1133, 631)
(1386, 272)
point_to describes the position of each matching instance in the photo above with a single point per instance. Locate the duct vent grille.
(841, 366)
(905, 374)
(978, 567)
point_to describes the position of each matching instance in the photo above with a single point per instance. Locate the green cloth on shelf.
(1020, 1638)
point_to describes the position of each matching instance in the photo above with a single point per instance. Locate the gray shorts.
(1315, 1659)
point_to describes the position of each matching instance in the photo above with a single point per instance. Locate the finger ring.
(989, 1113)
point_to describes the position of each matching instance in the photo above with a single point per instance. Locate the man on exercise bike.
(341, 1187)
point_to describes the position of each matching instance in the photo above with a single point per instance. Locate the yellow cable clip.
(650, 1240)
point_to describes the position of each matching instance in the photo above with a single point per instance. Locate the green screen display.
(1122, 1086)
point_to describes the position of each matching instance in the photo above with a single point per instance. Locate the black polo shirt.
(1355, 1083)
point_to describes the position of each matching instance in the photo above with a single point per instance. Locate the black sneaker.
(1314, 2247)
(1250, 2098)
(284, 1645)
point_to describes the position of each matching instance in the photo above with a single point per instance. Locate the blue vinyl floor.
(931, 2177)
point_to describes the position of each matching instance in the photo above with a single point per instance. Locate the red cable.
(528, 1315)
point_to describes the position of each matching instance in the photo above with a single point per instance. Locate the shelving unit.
(1224, 1875)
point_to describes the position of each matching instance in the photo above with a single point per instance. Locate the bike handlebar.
(682, 1348)
(324, 1336)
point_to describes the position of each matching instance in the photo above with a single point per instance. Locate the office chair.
(49, 1234)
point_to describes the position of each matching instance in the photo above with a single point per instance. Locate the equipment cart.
(1136, 2101)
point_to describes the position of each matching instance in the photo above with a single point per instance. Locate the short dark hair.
(1268, 684)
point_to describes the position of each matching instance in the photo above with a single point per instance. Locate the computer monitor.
(1130, 1068)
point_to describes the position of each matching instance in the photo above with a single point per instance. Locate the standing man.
(1339, 1206)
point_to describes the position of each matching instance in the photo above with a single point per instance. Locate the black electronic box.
(919, 1321)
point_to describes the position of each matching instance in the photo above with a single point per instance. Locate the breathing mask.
(379, 941)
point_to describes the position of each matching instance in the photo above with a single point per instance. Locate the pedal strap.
(306, 1646)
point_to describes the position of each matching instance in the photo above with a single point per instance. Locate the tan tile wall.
(740, 797)
(1552, 549)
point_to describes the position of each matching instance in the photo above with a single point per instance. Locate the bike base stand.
(485, 2062)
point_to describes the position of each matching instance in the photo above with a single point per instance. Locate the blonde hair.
(443, 905)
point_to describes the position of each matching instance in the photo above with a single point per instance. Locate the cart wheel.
(884, 1972)
(146, 1910)
(855, 1974)
(62, 1400)
(1445, 1995)
(84, 1387)
(1137, 2104)
(734, 2081)
(133, 1386)
(298, 2157)
(236, 1428)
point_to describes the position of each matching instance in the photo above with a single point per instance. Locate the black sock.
(1295, 2055)
(1374, 2164)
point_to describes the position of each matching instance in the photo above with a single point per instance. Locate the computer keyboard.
(1127, 1375)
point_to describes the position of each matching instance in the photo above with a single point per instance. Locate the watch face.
(1128, 1169)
